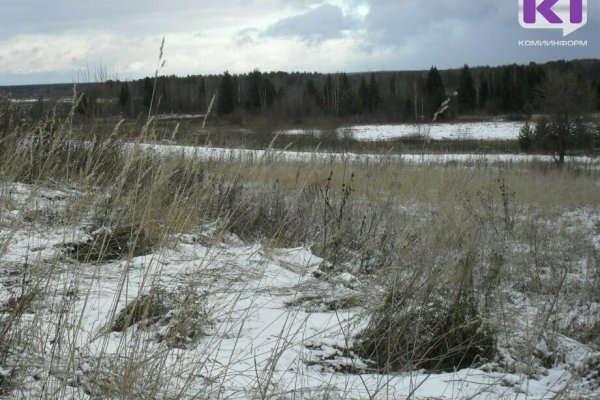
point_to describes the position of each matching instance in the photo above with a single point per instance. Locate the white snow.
(256, 345)
(218, 153)
(497, 130)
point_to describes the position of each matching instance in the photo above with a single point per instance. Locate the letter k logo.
(567, 15)
(530, 10)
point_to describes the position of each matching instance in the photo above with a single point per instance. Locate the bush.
(558, 135)
(436, 334)
(121, 242)
(525, 137)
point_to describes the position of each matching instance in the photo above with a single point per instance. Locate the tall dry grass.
(446, 245)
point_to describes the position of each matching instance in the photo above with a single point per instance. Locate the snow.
(256, 344)
(217, 153)
(68, 100)
(167, 117)
(492, 130)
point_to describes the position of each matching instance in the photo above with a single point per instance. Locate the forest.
(515, 91)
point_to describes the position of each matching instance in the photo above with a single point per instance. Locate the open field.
(138, 270)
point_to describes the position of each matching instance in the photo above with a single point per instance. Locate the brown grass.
(445, 243)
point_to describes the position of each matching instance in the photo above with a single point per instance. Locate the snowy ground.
(271, 330)
(286, 155)
(499, 130)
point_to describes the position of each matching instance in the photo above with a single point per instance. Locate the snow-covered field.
(269, 327)
(217, 153)
(499, 130)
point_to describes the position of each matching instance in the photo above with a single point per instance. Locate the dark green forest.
(515, 91)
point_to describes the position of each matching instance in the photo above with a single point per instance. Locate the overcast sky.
(44, 41)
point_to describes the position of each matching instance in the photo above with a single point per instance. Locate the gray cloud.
(324, 22)
(395, 22)
(52, 41)
(129, 16)
(451, 33)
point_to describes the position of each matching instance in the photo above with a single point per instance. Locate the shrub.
(558, 135)
(525, 137)
(436, 335)
(109, 244)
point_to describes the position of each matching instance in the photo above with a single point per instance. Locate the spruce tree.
(124, 94)
(226, 101)
(344, 84)
(148, 91)
(254, 89)
(436, 93)
(393, 88)
(328, 93)
(311, 95)
(598, 96)
(202, 95)
(350, 103)
(508, 96)
(364, 93)
(268, 92)
(374, 96)
(467, 96)
(484, 92)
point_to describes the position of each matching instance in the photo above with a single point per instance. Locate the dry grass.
(445, 244)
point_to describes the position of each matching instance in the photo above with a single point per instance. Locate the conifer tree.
(436, 93)
(374, 96)
(484, 92)
(226, 101)
(148, 91)
(254, 88)
(124, 94)
(467, 96)
(364, 93)
(202, 95)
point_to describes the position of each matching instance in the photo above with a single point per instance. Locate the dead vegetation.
(112, 244)
(180, 319)
(445, 247)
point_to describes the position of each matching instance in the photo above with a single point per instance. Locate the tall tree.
(344, 84)
(329, 94)
(364, 93)
(598, 95)
(436, 93)
(350, 103)
(484, 92)
(374, 94)
(467, 96)
(534, 75)
(254, 89)
(508, 99)
(226, 101)
(393, 87)
(202, 95)
(310, 95)
(124, 94)
(148, 91)
(267, 92)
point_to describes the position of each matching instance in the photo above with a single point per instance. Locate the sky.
(44, 41)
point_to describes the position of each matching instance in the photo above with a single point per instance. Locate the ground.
(248, 319)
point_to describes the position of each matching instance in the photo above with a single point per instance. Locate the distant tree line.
(517, 90)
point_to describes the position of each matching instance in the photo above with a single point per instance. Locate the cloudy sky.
(43, 41)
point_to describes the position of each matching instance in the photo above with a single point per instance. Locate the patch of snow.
(255, 343)
(346, 278)
(493, 130)
(217, 153)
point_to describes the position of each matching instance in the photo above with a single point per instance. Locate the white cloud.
(321, 23)
(56, 41)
